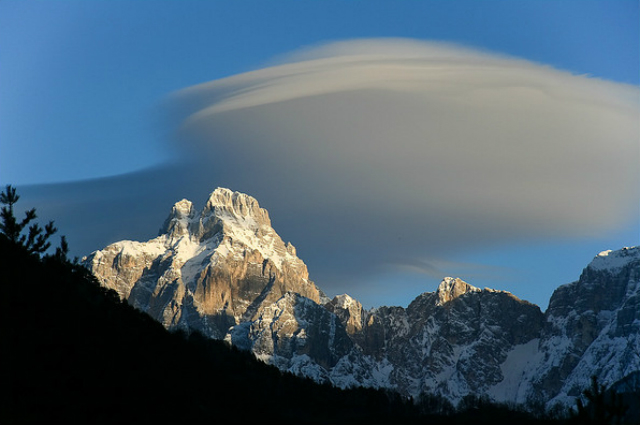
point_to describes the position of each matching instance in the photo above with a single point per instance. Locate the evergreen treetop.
(36, 239)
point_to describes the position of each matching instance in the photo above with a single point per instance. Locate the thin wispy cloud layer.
(437, 268)
(372, 152)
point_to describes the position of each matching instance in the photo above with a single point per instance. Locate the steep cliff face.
(452, 342)
(295, 334)
(592, 327)
(209, 270)
(225, 272)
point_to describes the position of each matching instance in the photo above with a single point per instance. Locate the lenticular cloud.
(419, 147)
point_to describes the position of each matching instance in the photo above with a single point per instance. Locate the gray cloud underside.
(371, 153)
(383, 150)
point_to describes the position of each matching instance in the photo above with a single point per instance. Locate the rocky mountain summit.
(207, 270)
(225, 272)
(592, 327)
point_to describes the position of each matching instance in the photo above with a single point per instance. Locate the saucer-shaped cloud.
(379, 150)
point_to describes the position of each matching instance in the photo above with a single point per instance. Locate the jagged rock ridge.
(225, 272)
(592, 327)
(206, 270)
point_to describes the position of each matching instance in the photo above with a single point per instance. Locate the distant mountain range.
(225, 272)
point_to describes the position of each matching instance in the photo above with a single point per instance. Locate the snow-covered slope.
(207, 270)
(592, 327)
(225, 272)
(451, 342)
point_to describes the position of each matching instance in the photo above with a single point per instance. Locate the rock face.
(452, 342)
(225, 272)
(592, 327)
(207, 270)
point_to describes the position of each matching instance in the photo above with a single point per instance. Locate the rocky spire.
(224, 202)
(208, 269)
(348, 310)
(450, 289)
(181, 217)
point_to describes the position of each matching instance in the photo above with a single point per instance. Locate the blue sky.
(81, 84)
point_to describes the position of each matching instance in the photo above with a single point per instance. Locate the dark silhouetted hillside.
(72, 352)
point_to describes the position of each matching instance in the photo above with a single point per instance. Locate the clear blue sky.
(80, 82)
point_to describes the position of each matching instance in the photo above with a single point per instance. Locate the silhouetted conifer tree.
(36, 240)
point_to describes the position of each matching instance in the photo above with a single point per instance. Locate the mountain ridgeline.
(224, 272)
(73, 352)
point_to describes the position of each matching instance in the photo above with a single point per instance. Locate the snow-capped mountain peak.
(230, 223)
(226, 203)
(451, 288)
(225, 272)
(223, 262)
(614, 260)
(344, 301)
(180, 220)
(183, 209)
